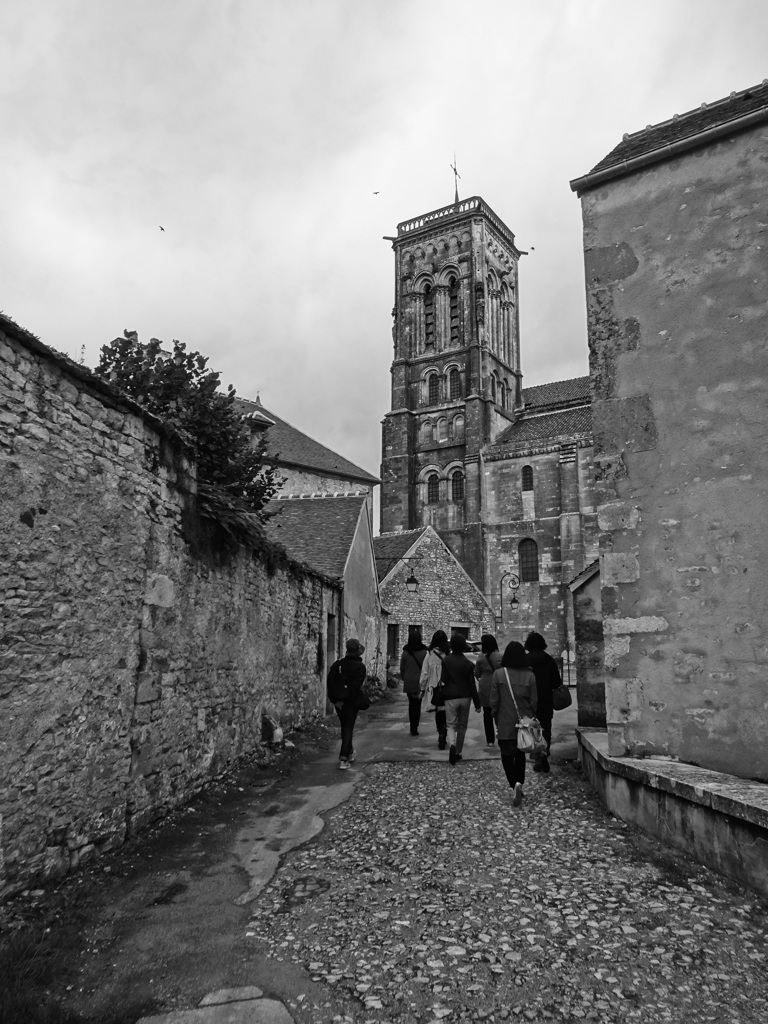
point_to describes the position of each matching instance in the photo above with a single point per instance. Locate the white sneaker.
(353, 755)
(343, 765)
(517, 799)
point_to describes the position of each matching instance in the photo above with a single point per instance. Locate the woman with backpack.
(413, 657)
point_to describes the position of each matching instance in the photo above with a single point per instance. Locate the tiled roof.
(293, 448)
(388, 547)
(318, 532)
(680, 131)
(559, 392)
(571, 423)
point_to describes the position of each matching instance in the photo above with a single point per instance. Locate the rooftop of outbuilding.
(681, 132)
(317, 532)
(294, 448)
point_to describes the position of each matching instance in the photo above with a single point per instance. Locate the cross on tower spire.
(456, 177)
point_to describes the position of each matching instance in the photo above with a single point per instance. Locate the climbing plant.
(236, 476)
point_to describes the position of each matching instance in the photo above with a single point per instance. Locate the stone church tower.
(456, 380)
(505, 474)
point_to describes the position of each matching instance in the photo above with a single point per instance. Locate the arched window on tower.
(527, 478)
(528, 553)
(442, 429)
(433, 489)
(427, 432)
(429, 316)
(453, 292)
(433, 389)
(454, 384)
(493, 388)
(457, 486)
(458, 428)
(502, 395)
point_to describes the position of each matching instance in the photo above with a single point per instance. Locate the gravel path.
(428, 898)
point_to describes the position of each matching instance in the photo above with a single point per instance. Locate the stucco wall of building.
(136, 655)
(362, 615)
(676, 261)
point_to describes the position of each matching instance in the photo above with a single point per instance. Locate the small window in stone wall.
(427, 433)
(454, 385)
(433, 489)
(457, 486)
(433, 389)
(458, 428)
(527, 478)
(429, 317)
(442, 430)
(528, 553)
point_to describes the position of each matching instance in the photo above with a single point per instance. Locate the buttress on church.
(503, 473)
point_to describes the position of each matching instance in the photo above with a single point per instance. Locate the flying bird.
(375, 193)
(161, 227)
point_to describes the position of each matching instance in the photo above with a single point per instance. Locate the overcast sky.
(256, 132)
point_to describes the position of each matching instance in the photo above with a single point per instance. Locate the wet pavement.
(407, 890)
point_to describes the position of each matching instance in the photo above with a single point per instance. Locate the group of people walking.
(506, 687)
(441, 679)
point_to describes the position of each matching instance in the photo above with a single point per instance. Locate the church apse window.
(433, 389)
(429, 317)
(454, 384)
(527, 478)
(457, 486)
(528, 553)
(433, 489)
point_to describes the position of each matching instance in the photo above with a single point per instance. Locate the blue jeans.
(457, 718)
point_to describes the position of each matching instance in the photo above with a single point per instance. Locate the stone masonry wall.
(676, 259)
(136, 659)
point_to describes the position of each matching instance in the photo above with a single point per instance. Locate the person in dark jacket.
(458, 679)
(411, 661)
(485, 666)
(508, 708)
(345, 681)
(547, 681)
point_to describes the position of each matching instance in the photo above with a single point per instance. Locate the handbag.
(530, 736)
(561, 697)
(360, 701)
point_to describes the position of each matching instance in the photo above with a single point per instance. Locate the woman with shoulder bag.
(413, 657)
(513, 697)
(429, 682)
(485, 666)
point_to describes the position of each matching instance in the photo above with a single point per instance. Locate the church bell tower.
(456, 380)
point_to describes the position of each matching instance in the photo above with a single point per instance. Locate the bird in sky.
(161, 227)
(375, 193)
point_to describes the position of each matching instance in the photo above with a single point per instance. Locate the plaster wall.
(137, 657)
(676, 262)
(362, 618)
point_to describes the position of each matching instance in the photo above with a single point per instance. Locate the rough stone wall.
(676, 260)
(135, 659)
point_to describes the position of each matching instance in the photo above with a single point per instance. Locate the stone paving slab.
(251, 1011)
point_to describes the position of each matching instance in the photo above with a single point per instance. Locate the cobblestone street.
(427, 897)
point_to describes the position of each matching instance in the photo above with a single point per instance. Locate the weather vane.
(456, 177)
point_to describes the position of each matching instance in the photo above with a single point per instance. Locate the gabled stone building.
(503, 473)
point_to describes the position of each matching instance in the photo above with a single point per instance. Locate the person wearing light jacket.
(431, 671)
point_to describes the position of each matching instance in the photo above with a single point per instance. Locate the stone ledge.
(720, 820)
(728, 794)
